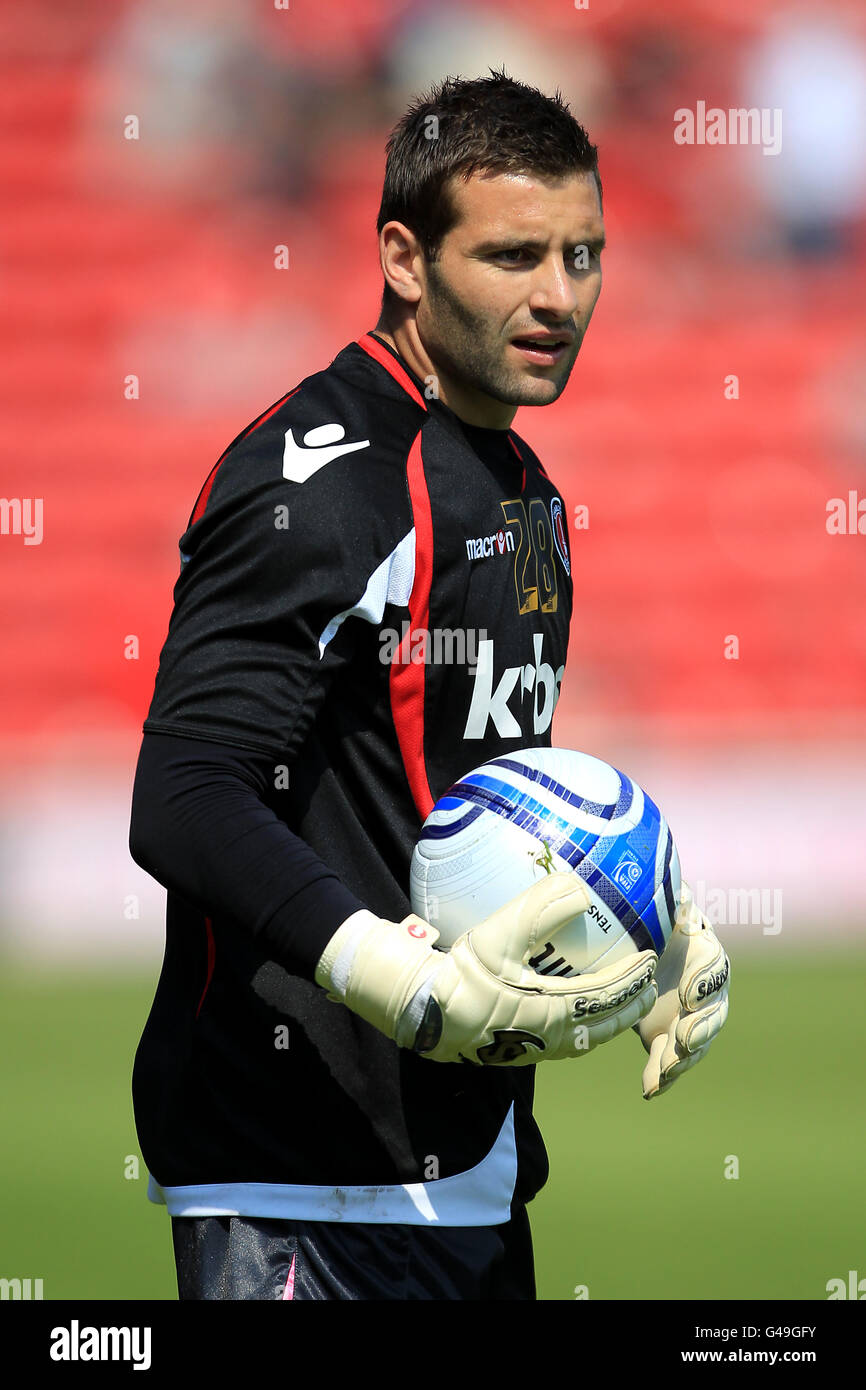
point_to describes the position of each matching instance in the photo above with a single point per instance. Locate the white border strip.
(481, 1196)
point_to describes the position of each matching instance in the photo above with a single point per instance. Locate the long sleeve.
(201, 826)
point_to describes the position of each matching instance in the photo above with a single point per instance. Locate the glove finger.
(697, 1030)
(592, 1031)
(627, 1015)
(689, 918)
(620, 973)
(614, 987)
(644, 1004)
(663, 1085)
(661, 1072)
(671, 1053)
(652, 1071)
(595, 1015)
(684, 1064)
(504, 940)
(626, 995)
(708, 971)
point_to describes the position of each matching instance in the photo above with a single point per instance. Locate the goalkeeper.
(329, 1106)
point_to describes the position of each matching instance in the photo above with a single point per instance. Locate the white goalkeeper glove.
(481, 1002)
(692, 979)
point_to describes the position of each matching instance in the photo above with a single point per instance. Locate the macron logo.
(477, 547)
(320, 446)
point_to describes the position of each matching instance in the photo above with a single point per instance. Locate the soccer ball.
(506, 824)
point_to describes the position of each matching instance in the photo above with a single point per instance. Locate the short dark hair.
(492, 124)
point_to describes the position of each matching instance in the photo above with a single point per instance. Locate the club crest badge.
(559, 536)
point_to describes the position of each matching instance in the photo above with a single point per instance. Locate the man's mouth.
(543, 348)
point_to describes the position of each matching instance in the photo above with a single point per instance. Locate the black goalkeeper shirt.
(374, 598)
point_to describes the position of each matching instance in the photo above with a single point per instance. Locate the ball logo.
(627, 872)
(415, 930)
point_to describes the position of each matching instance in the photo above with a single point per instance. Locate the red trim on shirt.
(540, 465)
(380, 353)
(520, 456)
(202, 499)
(407, 678)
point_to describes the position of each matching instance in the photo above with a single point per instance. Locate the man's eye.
(515, 251)
(586, 255)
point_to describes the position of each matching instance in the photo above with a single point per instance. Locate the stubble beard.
(465, 347)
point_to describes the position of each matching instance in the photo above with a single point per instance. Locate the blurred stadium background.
(144, 324)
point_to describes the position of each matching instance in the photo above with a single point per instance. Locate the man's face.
(523, 261)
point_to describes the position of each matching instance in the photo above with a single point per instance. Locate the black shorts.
(236, 1257)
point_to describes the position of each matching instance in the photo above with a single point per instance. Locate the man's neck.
(471, 406)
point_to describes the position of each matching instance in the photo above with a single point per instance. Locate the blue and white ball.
(506, 824)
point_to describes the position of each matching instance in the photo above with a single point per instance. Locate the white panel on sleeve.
(390, 582)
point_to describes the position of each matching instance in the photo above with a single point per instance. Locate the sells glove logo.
(415, 930)
(627, 872)
(714, 982)
(508, 1045)
(606, 1003)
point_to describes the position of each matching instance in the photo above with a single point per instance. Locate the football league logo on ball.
(627, 872)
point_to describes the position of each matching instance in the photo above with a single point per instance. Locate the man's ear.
(399, 256)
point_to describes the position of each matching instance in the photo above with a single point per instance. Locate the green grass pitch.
(638, 1205)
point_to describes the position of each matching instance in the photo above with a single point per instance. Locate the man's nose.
(555, 291)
